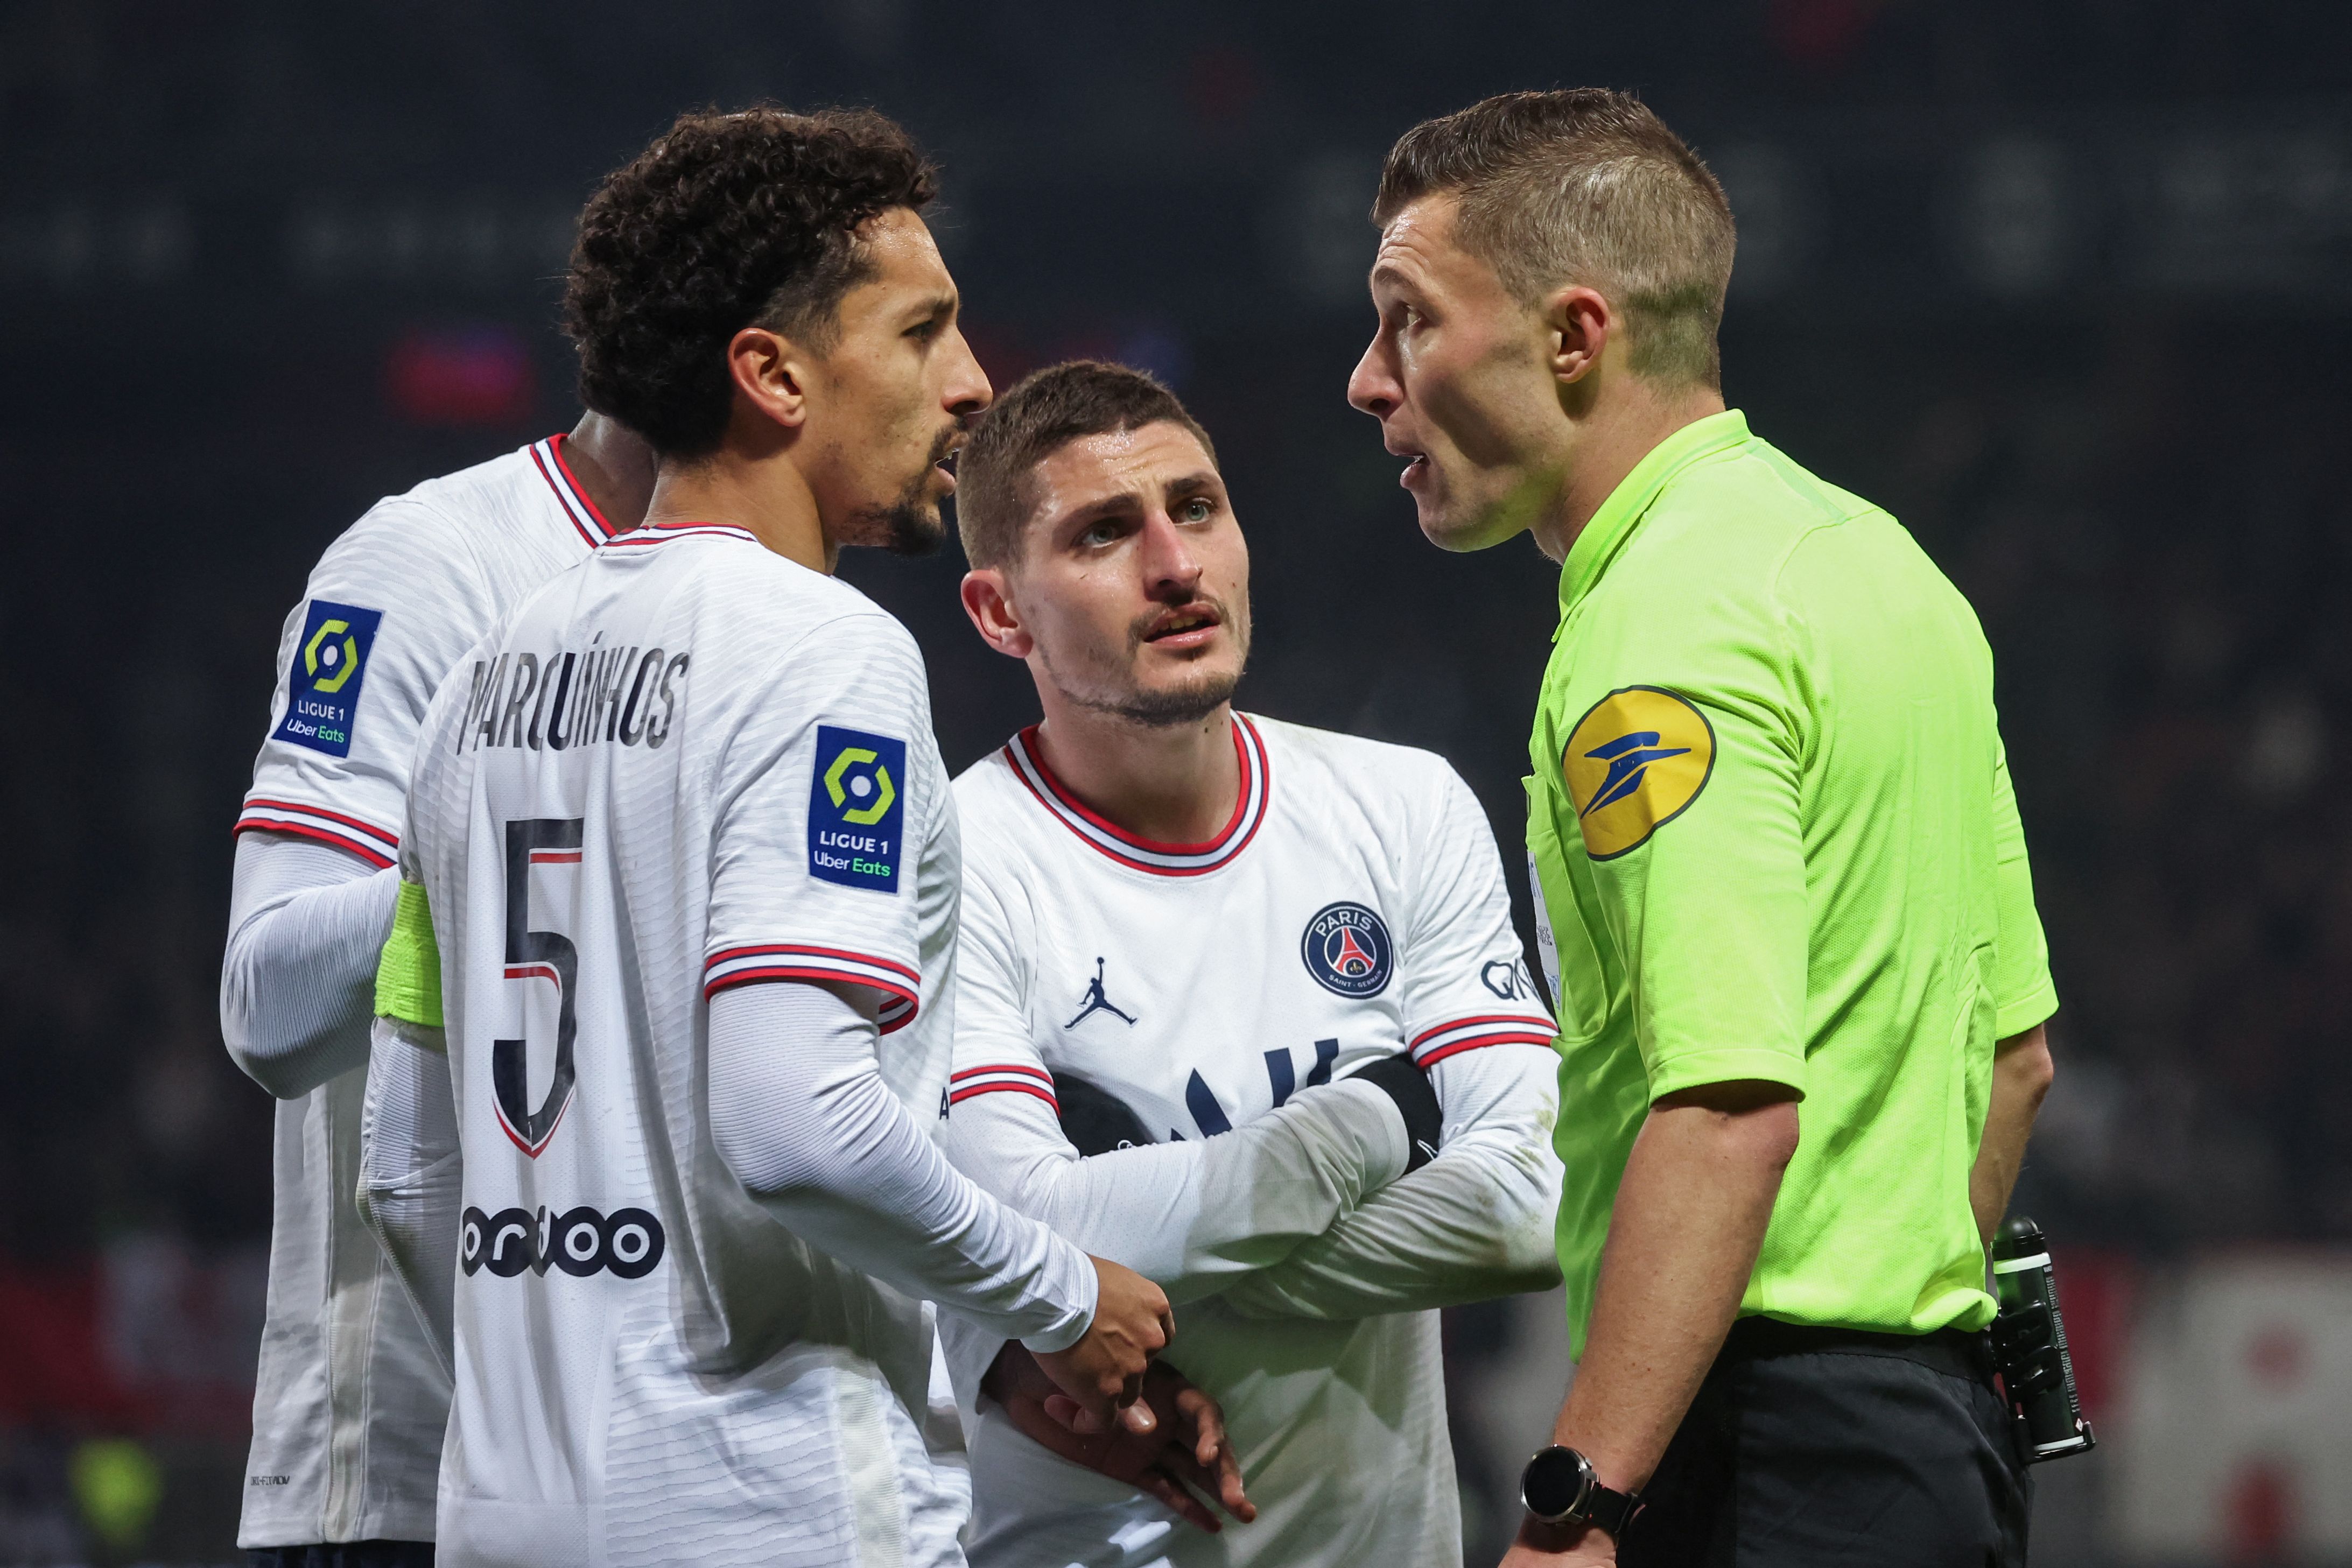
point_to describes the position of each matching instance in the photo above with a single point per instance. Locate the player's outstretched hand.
(1104, 1370)
(1190, 1454)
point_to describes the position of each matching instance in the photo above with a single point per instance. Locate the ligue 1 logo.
(1348, 951)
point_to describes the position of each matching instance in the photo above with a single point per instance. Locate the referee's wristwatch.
(1560, 1487)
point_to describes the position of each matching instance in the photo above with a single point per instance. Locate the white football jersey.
(1354, 907)
(688, 763)
(349, 1404)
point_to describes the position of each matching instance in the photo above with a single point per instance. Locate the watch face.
(1555, 1484)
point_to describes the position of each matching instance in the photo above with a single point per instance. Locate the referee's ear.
(1579, 323)
(988, 601)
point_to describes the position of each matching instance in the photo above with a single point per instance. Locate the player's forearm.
(1683, 1235)
(411, 1173)
(2021, 1072)
(307, 924)
(801, 1116)
(1192, 1216)
(1474, 1224)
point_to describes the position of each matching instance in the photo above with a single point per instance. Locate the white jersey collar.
(1022, 754)
(546, 457)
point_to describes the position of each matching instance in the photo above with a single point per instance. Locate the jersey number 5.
(536, 955)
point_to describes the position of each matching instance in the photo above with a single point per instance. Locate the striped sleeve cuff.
(1431, 1046)
(901, 986)
(1006, 1078)
(377, 846)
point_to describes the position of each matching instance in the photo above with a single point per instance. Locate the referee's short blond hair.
(1583, 186)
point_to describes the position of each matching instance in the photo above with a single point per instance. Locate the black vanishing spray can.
(2029, 1342)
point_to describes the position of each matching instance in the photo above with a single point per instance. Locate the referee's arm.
(1688, 1222)
(1711, 912)
(2021, 1072)
(2022, 1068)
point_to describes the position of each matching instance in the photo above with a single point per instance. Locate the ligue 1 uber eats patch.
(856, 809)
(322, 694)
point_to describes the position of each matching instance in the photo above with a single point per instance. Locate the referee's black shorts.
(1826, 1448)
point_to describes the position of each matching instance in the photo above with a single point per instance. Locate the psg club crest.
(1348, 951)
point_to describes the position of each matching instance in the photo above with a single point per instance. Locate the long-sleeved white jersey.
(689, 765)
(349, 1403)
(1353, 907)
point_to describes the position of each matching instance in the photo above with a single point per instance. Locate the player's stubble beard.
(911, 524)
(1118, 694)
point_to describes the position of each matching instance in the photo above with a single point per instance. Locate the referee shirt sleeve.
(2024, 995)
(1710, 912)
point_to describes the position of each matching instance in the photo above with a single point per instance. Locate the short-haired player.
(1199, 951)
(666, 1000)
(350, 1401)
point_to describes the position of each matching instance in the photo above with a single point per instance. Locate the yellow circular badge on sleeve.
(1634, 762)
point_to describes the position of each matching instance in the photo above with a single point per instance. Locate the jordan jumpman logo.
(1097, 1002)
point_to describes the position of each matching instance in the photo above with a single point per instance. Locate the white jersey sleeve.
(823, 792)
(1477, 1221)
(1191, 1215)
(802, 1118)
(389, 610)
(1466, 980)
(306, 923)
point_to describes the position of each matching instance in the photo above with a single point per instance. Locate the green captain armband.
(408, 975)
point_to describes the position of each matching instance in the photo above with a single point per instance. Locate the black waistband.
(1950, 1352)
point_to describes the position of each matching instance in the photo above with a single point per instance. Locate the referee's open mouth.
(1416, 466)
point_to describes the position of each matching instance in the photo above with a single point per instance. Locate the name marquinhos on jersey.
(576, 696)
(627, 1242)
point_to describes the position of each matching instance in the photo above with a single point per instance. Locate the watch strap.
(1612, 1510)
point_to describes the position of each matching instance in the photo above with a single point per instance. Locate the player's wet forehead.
(1120, 468)
(905, 276)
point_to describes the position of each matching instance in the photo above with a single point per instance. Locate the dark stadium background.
(2063, 283)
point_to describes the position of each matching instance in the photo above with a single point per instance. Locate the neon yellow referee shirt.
(1771, 824)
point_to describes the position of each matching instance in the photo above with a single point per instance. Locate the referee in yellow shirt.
(1785, 905)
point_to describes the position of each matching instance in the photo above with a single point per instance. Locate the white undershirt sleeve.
(307, 923)
(801, 1114)
(1473, 1223)
(1193, 1217)
(411, 1172)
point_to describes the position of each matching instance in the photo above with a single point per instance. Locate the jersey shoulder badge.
(857, 808)
(322, 685)
(1635, 761)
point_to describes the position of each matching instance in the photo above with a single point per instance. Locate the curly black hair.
(728, 221)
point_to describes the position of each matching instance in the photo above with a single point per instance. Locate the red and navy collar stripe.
(901, 986)
(1431, 1046)
(1028, 765)
(373, 844)
(662, 533)
(583, 513)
